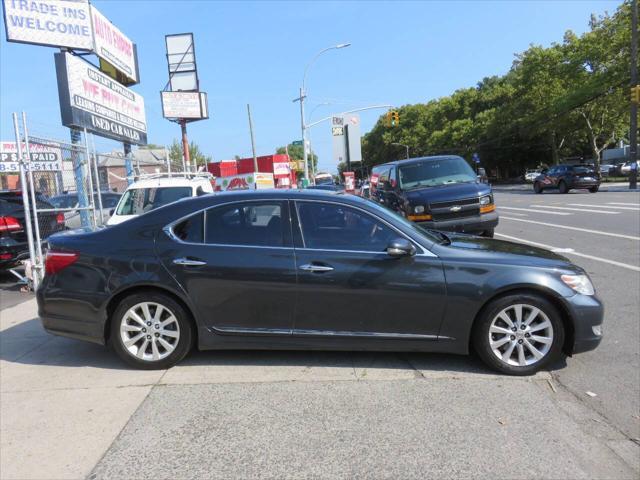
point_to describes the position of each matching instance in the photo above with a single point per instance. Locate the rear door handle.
(316, 268)
(187, 262)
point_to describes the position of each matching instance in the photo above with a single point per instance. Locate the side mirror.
(401, 247)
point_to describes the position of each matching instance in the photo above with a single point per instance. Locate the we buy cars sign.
(92, 100)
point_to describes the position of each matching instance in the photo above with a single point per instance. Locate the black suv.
(567, 177)
(441, 192)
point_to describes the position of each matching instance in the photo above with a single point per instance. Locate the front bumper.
(587, 313)
(476, 224)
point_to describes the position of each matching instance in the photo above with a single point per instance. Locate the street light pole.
(633, 121)
(402, 145)
(301, 98)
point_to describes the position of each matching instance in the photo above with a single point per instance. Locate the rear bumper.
(475, 224)
(11, 255)
(588, 184)
(587, 313)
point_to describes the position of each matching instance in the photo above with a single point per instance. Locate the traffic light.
(393, 118)
(635, 94)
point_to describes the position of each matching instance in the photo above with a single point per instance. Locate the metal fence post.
(98, 189)
(92, 198)
(38, 264)
(79, 177)
(25, 195)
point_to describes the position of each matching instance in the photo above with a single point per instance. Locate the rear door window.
(260, 224)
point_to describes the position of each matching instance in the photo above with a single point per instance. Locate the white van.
(155, 191)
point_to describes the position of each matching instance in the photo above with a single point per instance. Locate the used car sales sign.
(92, 100)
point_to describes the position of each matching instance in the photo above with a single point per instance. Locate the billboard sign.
(345, 131)
(184, 105)
(92, 100)
(56, 23)
(181, 58)
(44, 158)
(112, 46)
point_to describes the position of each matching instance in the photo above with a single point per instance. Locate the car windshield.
(433, 173)
(137, 201)
(64, 201)
(582, 170)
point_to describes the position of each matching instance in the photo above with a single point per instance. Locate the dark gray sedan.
(311, 270)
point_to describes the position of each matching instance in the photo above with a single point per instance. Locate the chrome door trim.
(328, 333)
(188, 262)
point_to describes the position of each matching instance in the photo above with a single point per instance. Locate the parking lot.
(73, 410)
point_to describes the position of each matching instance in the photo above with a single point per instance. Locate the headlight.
(419, 209)
(580, 283)
(486, 200)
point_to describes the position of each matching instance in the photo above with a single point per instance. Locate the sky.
(256, 52)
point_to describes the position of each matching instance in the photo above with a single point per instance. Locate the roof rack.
(147, 176)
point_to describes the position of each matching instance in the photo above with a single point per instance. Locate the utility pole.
(304, 135)
(253, 142)
(633, 120)
(185, 144)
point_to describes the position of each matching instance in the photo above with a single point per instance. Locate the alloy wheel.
(520, 335)
(149, 331)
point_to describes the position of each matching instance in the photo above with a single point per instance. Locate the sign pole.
(253, 141)
(128, 163)
(185, 144)
(79, 176)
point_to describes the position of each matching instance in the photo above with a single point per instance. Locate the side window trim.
(422, 250)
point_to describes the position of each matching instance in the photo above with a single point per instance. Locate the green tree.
(296, 153)
(197, 158)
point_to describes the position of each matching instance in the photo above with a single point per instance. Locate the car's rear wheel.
(594, 189)
(518, 334)
(489, 233)
(537, 187)
(562, 187)
(150, 330)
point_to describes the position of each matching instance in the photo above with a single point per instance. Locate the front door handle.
(316, 268)
(188, 262)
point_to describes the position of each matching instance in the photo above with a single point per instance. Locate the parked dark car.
(442, 193)
(311, 270)
(567, 177)
(13, 235)
(70, 200)
(327, 186)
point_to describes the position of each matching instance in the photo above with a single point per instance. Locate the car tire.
(523, 351)
(488, 233)
(562, 187)
(594, 189)
(162, 340)
(537, 187)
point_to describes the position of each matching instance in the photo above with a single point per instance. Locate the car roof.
(168, 182)
(416, 160)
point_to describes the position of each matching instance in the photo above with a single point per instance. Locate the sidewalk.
(71, 408)
(604, 187)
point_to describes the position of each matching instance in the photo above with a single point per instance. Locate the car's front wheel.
(150, 331)
(537, 187)
(594, 189)
(518, 334)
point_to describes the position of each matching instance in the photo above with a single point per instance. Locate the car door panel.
(360, 289)
(235, 288)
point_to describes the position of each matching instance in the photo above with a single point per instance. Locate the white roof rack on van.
(148, 176)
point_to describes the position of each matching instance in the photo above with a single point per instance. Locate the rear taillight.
(60, 219)
(57, 261)
(9, 224)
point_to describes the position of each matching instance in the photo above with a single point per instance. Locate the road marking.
(603, 206)
(536, 211)
(518, 214)
(567, 227)
(608, 212)
(629, 204)
(570, 251)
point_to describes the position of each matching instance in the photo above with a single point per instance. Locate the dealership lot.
(72, 409)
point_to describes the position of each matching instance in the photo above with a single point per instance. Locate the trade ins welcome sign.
(92, 100)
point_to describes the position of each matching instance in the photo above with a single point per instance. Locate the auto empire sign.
(92, 100)
(59, 23)
(44, 158)
(113, 46)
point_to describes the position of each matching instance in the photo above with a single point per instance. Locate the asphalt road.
(343, 414)
(608, 244)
